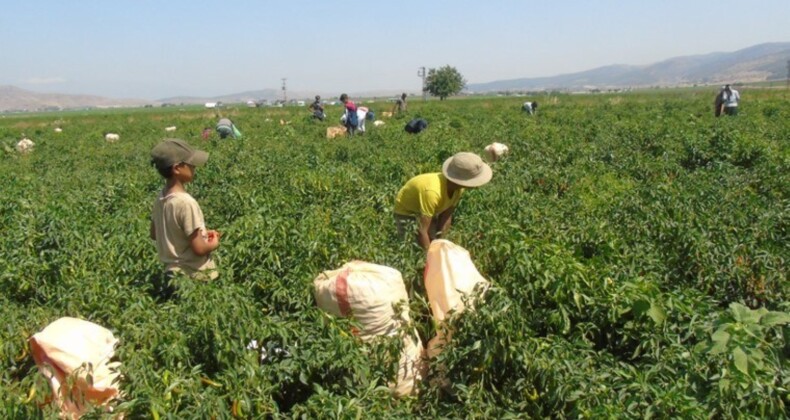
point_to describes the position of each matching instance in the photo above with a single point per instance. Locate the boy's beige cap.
(174, 151)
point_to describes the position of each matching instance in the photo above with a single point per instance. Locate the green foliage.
(638, 249)
(747, 361)
(444, 81)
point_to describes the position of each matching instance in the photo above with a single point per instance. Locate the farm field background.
(627, 237)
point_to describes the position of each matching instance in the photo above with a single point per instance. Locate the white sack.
(68, 351)
(450, 276)
(25, 146)
(495, 151)
(376, 297)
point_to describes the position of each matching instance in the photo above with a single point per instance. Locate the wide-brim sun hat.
(467, 170)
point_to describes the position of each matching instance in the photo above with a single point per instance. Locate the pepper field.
(638, 249)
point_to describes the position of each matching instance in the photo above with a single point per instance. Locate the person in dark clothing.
(317, 109)
(416, 125)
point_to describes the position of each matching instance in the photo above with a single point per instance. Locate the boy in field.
(350, 118)
(430, 199)
(177, 226)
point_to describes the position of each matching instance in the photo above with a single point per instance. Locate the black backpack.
(416, 125)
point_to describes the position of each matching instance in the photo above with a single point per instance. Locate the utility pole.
(421, 73)
(285, 92)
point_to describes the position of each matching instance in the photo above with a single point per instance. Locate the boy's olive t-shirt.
(176, 216)
(425, 195)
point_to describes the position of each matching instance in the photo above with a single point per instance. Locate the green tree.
(444, 82)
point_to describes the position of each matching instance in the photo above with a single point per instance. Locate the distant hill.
(15, 99)
(273, 94)
(754, 64)
(253, 95)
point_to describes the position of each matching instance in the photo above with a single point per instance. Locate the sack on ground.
(74, 355)
(450, 277)
(374, 294)
(332, 132)
(416, 125)
(411, 366)
(496, 151)
(376, 297)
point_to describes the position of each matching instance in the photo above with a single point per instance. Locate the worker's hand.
(213, 236)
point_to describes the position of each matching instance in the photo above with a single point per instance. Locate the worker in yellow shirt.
(430, 199)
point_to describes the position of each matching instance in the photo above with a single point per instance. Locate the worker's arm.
(423, 236)
(202, 246)
(445, 221)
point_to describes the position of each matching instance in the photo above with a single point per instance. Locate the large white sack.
(25, 145)
(370, 292)
(495, 151)
(376, 297)
(450, 277)
(332, 132)
(69, 350)
(411, 366)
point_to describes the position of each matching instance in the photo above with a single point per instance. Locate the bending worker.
(225, 128)
(428, 201)
(317, 109)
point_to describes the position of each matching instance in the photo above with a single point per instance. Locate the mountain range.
(753, 64)
(13, 98)
(273, 94)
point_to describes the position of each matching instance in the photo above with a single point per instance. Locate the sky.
(157, 49)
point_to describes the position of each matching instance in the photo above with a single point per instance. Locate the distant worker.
(416, 125)
(400, 105)
(317, 109)
(350, 118)
(363, 114)
(429, 200)
(730, 98)
(718, 103)
(178, 229)
(225, 128)
(530, 107)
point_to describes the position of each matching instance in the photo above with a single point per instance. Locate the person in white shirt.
(530, 107)
(730, 98)
(362, 115)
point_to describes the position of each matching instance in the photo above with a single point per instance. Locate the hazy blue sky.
(155, 49)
